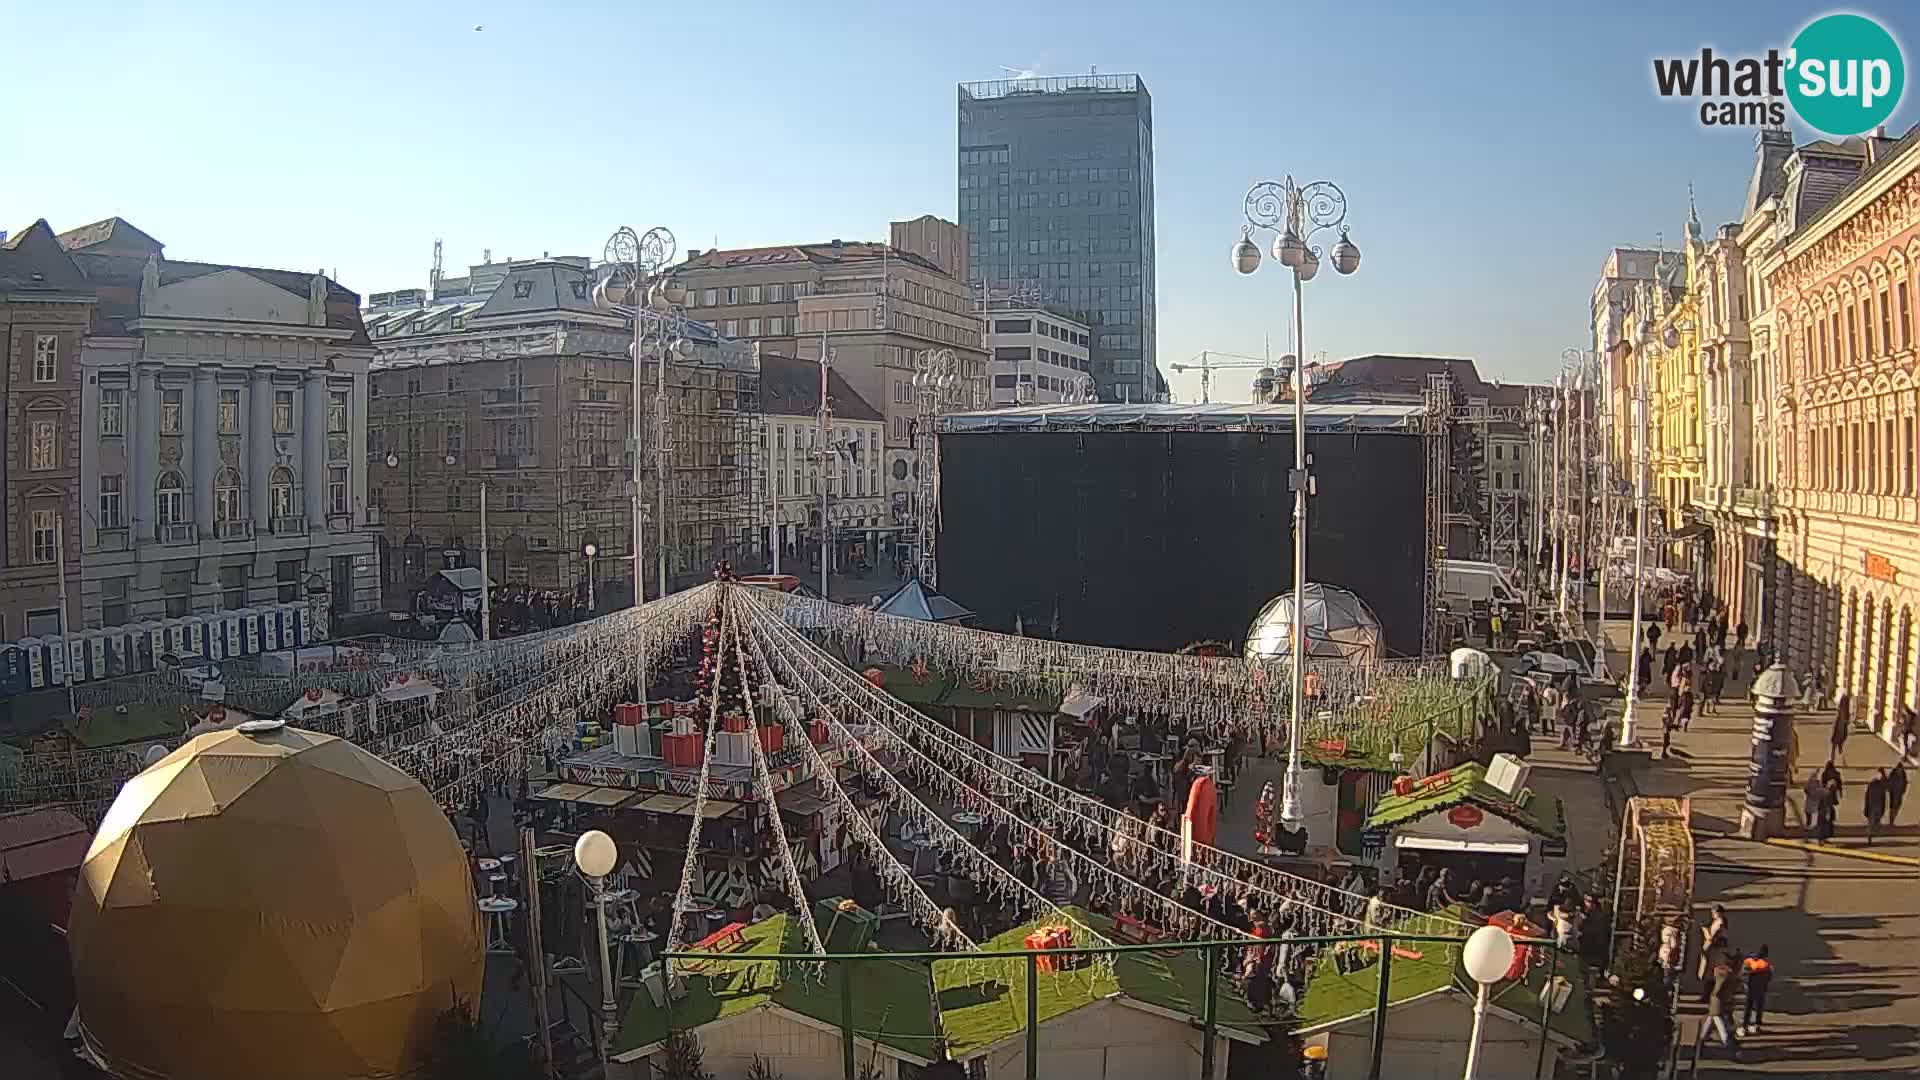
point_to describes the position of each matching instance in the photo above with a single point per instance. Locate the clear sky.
(1490, 155)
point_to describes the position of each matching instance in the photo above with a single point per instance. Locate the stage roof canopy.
(1220, 416)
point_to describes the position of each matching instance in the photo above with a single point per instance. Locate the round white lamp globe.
(1488, 955)
(594, 853)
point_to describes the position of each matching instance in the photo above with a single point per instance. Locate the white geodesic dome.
(1339, 626)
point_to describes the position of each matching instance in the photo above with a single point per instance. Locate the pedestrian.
(1566, 925)
(1646, 670)
(1711, 935)
(1830, 803)
(1815, 795)
(1842, 727)
(1896, 792)
(1759, 972)
(1673, 951)
(1875, 803)
(1596, 935)
(1720, 1010)
(1907, 733)
(1670, 661)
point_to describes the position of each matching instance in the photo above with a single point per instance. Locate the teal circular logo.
(1847, 74)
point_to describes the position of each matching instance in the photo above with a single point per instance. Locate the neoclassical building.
(1841, 272)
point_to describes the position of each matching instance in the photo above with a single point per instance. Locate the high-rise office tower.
(1056, 195)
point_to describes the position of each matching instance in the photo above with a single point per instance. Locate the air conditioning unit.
(1508, 774)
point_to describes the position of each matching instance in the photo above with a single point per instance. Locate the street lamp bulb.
(1488, 955)
(450, 460)
(1671, 339)
(1246, 256)
(1346, 254)
(592, 550)
(1309, 266)
(1289, 249)
(594, 853)
(393, 461)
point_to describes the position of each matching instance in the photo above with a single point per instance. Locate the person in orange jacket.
(1759, 972)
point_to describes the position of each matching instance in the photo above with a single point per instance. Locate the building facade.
(1056, 194)
(1039, 356)
(1626, 273)
(45, 305)
(878, 307)
(1842, 273)
(856, 504)
(525, 389)
(224, 415)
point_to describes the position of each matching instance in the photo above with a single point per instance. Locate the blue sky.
(1490, 156)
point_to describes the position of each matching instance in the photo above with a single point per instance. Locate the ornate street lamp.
(1294, 214)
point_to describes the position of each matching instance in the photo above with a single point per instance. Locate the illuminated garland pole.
(1296, 213)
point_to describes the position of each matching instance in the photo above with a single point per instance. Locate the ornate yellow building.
(1843, 271)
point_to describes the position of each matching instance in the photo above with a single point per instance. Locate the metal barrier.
(1030, 961)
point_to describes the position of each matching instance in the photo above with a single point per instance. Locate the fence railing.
(1029, 963)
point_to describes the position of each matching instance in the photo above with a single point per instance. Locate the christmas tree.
(1636, 1024)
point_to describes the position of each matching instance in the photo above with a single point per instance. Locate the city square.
(1080, 593)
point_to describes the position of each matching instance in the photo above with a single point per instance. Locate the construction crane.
(1207, 367)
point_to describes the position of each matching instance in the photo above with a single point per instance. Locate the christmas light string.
(683, 894)
(1121, 892)
(1002, 885)
(896, 880)
(1160, 848)
(763, 780)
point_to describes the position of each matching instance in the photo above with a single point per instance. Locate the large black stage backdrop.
(1153, 540)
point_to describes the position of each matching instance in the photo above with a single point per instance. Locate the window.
(1012, 326)
(753, 294)
(776, 292)
(177, 589)
(732, 327)
(283, 410)
(226, 497)
(1886, 324)
(43, 443)
(337, 490)
(280, 492)
(777, 325)
(1853, 333)
(112, 402)
(110, 510)
(286, 579)
(170, 412)
(753, 327)
(710, 298)
(170, 500)
(233, 587)
(456, 437)
(998, 224)
(456, 496)
(1907, 447)
(46, 358)
(229, 412)
(113, 601)
(44, 528)
(336, 412)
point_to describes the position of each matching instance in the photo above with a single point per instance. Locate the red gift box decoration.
(817, 732)
(681, 750)
(666, 710)
(1051, 937)
(1403, 785)
(734, 723)
(626, 714)
(772, 738)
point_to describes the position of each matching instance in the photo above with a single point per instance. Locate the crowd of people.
(1721, 974)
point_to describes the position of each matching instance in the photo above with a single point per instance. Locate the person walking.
(1842, 727)
(1896, 792)
(1719, 1019)
(1875, 803)
(1713, 937)
(1759, 972)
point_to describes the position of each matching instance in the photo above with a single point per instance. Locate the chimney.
(836, 243)
(692, 254)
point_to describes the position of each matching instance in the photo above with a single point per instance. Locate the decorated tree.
(1636, 1024)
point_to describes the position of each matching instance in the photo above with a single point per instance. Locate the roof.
(1773, 147)
(826, 254)
(140, 721)
(893, 1001)
(464, 578)
(1539, 814)
(32, 261)
(1220, 416)
(544, 286)
(40, 841)
(115, 276)
(978, 1012)
(1822, 190)
(115, 236)
(790, 386)
(1399, 373)
(913, 601)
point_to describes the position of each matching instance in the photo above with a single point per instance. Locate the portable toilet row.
(137, 648)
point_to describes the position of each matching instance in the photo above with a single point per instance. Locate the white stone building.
(225, 460)
(856, 488)
(1037, 356)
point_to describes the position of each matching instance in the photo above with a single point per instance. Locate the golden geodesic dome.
(271, 903)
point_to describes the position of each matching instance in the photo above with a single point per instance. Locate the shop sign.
(1466, 817)
(1880, 568)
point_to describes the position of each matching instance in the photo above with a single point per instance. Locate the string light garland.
(683, 894)
(1155, 850)
(763, 781)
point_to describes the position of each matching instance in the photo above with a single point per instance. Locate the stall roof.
(562, 792)
(1228, 416)
(666, 802)
(609, 797)
(1078, 703)
(914, 601)
(796, 801)
(1539, 814)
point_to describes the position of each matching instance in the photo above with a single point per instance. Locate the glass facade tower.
(1056, 195)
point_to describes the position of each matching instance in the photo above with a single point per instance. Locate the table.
(637, 944)
(497, 909)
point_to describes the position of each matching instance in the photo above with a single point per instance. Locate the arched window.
(170, 499)
(226, 497)
(280, 485)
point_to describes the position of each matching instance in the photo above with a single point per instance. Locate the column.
(313, 453)
(143, 446)
(204, 461)
(259, 455)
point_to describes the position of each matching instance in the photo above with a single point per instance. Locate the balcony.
(176, 532)
(289, 526)
(234, 530)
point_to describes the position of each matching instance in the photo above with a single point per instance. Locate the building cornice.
(148, 324)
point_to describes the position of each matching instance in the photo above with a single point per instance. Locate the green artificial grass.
(1332, 995)
(141, 722)
(1539, 814)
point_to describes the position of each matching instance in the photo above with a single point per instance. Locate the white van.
(1465, 582)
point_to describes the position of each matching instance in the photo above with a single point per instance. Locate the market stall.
(1460, 820)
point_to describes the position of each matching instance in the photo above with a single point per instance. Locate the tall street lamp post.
(1295, 214)
(590, 551)
(594, 853)
(1627, 733)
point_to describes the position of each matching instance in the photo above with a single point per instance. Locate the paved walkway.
(1843, 931)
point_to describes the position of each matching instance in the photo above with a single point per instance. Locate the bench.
(728, 939)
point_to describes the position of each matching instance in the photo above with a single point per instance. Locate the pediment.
(226, 296)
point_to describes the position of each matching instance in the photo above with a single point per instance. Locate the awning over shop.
(1450, 804)
(1484, 847)
(682, 805)
(801, 801)
(562, 792)
(608, 797)
(1078, 703)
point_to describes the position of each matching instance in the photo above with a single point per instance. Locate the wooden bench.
(727, 939)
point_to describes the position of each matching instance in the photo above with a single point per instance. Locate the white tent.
(1339, 626)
